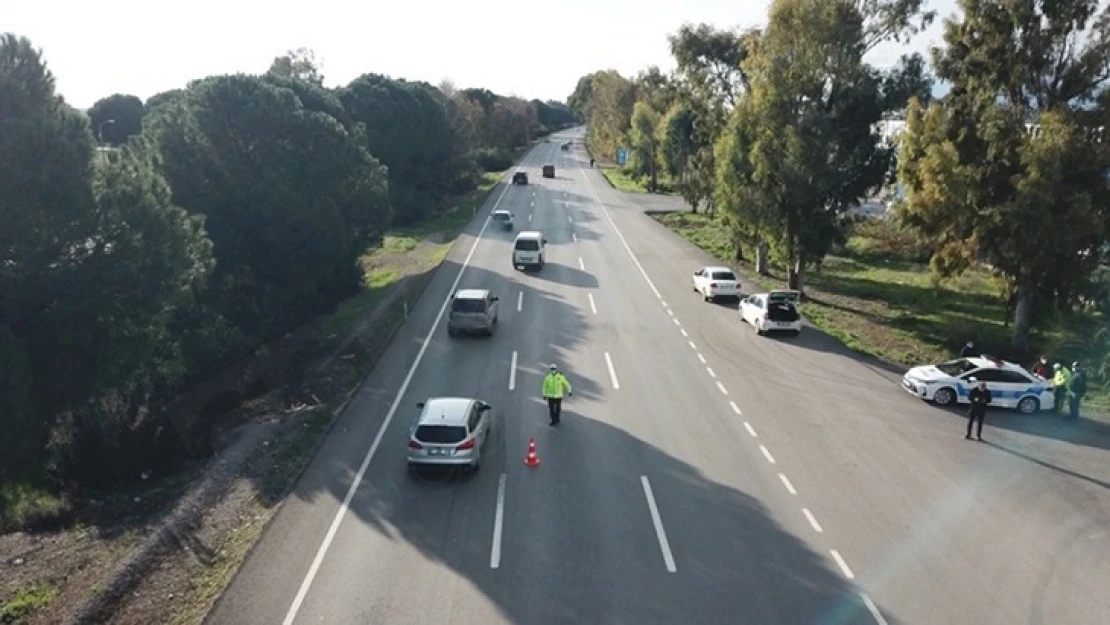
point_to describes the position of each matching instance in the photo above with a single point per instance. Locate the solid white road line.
(581, 265)
(709, 370)
(592, 307)
(302, 592)
(660, 533)
(812, 520)
(767, 454)
(787, 484)
(735, 408)
(842, 564)
(751, 430)
(701, 358)
(498, 523)
(722, 388)
(512, 372)
(574, 237)
(520, 301)
(874, 609)
(612, 371)
(620, 236)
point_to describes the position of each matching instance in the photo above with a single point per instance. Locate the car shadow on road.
(723, 540)
(565, 275)
(1048, 465)
(1044, 424)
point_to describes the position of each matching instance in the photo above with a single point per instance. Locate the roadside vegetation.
(997, 204)
(211, 271)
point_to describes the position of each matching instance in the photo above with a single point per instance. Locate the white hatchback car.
(1011, 386)
(716, 282)
(772, 312)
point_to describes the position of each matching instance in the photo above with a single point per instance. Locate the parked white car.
(716, 282)
(1011, 386)
(772, 312)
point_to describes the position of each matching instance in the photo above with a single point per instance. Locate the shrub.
(493, 159)
(884, 239)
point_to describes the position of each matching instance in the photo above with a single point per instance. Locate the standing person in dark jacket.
(1077, 388)
(968, 351)
(979, 397)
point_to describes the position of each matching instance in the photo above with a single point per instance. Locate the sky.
(532, 50)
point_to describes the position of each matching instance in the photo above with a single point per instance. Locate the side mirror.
(485, 407)
(545, 241)
(420, 404)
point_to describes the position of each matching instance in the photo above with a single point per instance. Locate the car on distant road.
(715, 283)
(520, 177)
(528, 250)
(473, 311)
(775, 311)
(503, 218)
(549, 171)
(565, 147)
(950, 382)
(450, 431)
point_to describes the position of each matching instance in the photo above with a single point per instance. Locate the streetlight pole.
(100, 130)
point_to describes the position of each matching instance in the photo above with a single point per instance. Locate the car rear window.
(468, 306)
(528, 245)
(724, 275)
(442, 434)
(501, 216)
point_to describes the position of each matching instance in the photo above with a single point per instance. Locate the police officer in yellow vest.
(554, 383)
(1060, 385)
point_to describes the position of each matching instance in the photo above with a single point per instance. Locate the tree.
(643, 136)
(610, 112)
(116, 118)
(979, 186)
(676, 140)
(803, 149)
(300, 64)
(909, 79)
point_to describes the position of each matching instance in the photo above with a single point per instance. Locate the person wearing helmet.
(554, 383)
(1077, 388)
(1060, 385)
(979, 397)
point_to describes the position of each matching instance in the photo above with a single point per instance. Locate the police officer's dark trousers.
(977, 413)
(555, 408)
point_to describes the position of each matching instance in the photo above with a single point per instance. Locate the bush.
(884, 239)
(493, 159)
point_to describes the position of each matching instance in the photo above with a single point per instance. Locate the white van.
(528, 250)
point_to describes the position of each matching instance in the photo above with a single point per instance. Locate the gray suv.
(472, 311)
(450, 431)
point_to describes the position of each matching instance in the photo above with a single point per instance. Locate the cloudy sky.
(535, 50)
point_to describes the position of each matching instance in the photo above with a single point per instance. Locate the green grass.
(623, 180)
(25, 603)
(23, 505)
(896, 311)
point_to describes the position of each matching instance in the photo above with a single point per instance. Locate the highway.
(701, 474)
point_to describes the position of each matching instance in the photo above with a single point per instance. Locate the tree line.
(777, 130)
(148, 245)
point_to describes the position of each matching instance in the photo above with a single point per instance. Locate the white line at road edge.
(592, 307)
(660, 533)
(512, 372)
(498, 522)
(520, 301)
(619, 235)
(874, 609)
(291, 615)
(842, 564)
(612, 371)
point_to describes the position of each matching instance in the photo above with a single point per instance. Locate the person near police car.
(1041, 368)
(969, 350)
(979, 397)
(1060, 379)
(1077, 388)
(554, 383)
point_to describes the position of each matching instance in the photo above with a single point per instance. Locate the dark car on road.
(548, 171)
(520, 177)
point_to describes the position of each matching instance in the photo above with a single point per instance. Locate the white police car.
(1011, 386)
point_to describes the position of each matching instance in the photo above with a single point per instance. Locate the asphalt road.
(701, 474)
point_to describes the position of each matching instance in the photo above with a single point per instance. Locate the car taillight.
(415, 445)
(712, 285)
(468, 444)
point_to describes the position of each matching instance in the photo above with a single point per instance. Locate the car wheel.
(477, 463)
(1029, 405)
(944, 397)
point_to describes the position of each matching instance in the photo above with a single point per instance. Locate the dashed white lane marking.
(660, 533)
(670, 312)
(724, 390)
(751, 430)
(676, 322)
(664, 302)
(574, 237)
(787, 484)
(842, 564)
(529, 216)
(701, 358)
(318, 560)
(581, 265)
(710, 371)
(874, 609)
(692, 346)
(520, 301)
(512, 372)
(570, 219)
(612, 371)
(735, 408)
(812, 521)
(498, 523)
(767, 454)
(683, 331)
(531, 204)
(592, 307)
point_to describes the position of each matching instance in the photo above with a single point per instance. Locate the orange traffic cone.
(532, 460)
